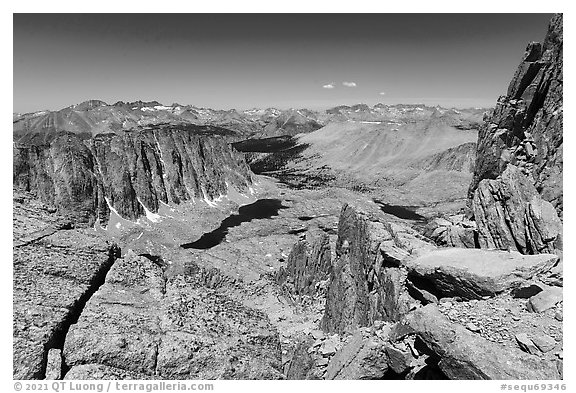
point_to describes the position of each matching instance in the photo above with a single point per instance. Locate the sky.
(241, 61)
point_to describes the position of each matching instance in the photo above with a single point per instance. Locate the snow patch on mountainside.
(153, 217)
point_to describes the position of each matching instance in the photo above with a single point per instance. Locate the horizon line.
(279, 107)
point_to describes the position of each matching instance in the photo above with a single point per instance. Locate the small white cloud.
(328, 86)
(382, 93)
(349, 84)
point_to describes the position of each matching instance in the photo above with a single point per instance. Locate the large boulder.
(511, 215)
(475, 273)
(545, 300)
(466, 355)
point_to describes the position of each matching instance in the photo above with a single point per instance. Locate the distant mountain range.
(94, 117)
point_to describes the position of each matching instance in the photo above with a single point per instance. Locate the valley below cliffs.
(385, 242)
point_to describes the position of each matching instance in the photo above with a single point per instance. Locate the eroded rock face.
(55, 270)
(466, 355)
(474, 273)
(175, 328)
(366, 283)
(130, 172)
(309, 263)
(511, 215)
(525, 128)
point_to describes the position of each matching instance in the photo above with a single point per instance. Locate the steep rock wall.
(129, 172)
(525, 128)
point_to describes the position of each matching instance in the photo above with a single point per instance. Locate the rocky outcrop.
(129, 173)
(480, 300)
(473, 273)
(366, 283)
(170, 328)
(308, 264)
(525, 128)
(56, 269)
(511, 215)
(463, 354)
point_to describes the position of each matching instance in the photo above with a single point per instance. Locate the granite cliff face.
(516, 193)
(525, 128)
(129, 173)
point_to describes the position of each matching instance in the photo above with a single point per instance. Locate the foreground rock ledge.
(475, 273)
(143, 324)
(55, 271)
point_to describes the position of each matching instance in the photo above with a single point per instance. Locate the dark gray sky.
(263, 60)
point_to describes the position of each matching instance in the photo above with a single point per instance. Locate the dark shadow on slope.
(265, 145)
(268, 155)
